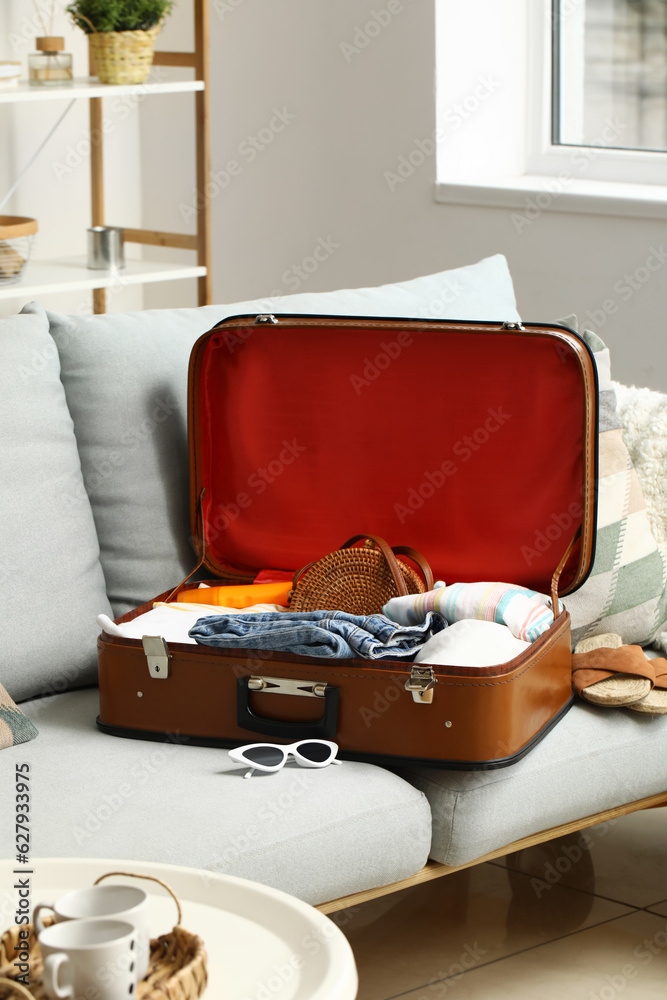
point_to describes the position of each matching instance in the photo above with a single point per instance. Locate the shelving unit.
(69, 274)
(89, 86)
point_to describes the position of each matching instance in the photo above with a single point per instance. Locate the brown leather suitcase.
(475, 443)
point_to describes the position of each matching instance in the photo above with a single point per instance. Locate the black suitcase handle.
(323, 729)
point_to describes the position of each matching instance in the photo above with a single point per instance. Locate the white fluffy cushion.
(643, 417)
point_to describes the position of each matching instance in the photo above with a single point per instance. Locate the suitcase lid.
(475, 443)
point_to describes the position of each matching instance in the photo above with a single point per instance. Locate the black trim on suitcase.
(383, 760)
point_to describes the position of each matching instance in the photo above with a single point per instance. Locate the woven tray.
(177, 969)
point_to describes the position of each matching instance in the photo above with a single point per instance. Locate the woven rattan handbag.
(359, 580)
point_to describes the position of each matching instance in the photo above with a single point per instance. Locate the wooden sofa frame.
(434, 869)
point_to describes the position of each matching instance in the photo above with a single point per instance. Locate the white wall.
(323, 176)
(355, 114)
(56, 191)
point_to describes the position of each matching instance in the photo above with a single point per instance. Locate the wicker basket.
(123, 56)
(16, 238)
(177, 969)
(358, 580)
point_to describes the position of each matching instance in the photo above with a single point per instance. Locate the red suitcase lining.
(310, 435)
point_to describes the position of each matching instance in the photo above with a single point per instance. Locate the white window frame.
(565, 178)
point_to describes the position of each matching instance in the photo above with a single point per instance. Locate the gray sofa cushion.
(125, 376)
(52, 581)
(594, 759)
(318, 834)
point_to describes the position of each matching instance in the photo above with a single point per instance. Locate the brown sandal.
(613, 678)
(655, 702)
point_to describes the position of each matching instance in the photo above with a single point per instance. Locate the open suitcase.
(475, 443)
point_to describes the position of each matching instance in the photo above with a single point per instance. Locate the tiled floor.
(583, 918)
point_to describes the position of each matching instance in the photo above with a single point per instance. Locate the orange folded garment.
(242, 596)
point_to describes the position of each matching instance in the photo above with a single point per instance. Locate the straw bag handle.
(399, 550)
(418, 559)
(151, 878)
(16, 987)
(389, 556)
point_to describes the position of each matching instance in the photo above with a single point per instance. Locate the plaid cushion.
(626, 591)
(15, 727)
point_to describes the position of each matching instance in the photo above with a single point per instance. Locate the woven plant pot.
(123, 56)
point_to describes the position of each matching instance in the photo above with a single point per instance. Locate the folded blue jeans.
(318, 633)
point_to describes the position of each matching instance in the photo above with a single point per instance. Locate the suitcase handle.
(322, 729)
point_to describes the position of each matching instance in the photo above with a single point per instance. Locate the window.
(610, 64)
(578, 106)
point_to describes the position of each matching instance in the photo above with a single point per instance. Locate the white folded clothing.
(172, 621)
(472, 643)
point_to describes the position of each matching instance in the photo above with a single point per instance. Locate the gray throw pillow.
(125, 376)
(52, 580)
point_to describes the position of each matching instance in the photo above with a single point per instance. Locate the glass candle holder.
(50, 66)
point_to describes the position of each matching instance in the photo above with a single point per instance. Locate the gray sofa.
(94, 495)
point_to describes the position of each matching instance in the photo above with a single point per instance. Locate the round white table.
(262, 944)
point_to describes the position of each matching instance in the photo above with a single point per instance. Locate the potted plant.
(121, 35)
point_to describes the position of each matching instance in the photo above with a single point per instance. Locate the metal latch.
(158, 656)
(283, 685)
(266, 318)
(421, 683)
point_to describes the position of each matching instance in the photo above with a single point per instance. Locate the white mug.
(122, 902)
(90, 959)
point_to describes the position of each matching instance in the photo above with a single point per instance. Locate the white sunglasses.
(273, 756)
